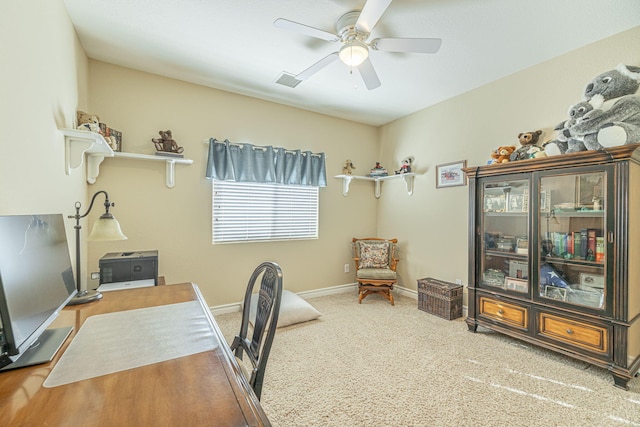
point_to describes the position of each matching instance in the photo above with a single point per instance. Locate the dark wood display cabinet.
(554, 254)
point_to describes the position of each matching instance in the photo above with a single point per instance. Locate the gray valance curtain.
(273, 165)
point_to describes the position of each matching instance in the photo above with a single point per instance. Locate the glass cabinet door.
(572, 232)
(504, 240)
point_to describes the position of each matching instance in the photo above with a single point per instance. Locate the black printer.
(128, 269)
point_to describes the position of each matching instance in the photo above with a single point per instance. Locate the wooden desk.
(204, 389)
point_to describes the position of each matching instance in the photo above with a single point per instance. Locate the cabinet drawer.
(584, 335)
(503, 312)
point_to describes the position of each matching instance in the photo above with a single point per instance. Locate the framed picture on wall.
(451, 174)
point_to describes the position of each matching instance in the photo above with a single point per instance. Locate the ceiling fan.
(353, 31)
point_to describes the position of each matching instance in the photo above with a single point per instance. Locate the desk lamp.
(105, 228)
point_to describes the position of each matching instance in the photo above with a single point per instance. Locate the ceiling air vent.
(287, 79)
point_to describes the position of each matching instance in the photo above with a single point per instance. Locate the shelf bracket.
(377, 188)
(346, 181)
(74, 153)
(77, 144)
(93, 167)
(408, 179)
(170, 173)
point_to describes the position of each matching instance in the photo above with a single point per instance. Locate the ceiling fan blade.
(407, 45)
(317, 66)
(305, 29)
(371, 14)
(368, 74)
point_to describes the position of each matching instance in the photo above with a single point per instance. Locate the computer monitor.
(36, 282)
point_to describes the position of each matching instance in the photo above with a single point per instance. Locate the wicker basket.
(440, 298)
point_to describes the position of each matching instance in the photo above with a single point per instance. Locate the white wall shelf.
(79, 143)
(170, 163)
(346, 181)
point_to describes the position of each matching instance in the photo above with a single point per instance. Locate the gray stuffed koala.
(565, 142)
(615, 118)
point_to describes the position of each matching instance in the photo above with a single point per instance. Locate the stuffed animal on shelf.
(536, 152)
(166, 143)
(565, 142)
(502, 154)
(348, 167)
(405, 166)
(527, 140)
(87, 121)
(615, 118)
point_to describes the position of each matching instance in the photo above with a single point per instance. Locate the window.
(249, 212)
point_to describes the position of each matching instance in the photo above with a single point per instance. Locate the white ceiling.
(232, 45)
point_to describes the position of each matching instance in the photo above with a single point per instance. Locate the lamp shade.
(354, 53)
(106, 228)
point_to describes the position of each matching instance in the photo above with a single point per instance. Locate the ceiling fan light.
(354, 53)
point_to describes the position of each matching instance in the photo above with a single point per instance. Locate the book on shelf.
(583, 243)
(591, 243)
(599, 249)
(577, 247)
(378, 172)
(587, 244)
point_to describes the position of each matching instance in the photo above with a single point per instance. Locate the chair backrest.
(264, 325)
(367, 251)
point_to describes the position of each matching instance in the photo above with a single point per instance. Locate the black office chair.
(264, 324)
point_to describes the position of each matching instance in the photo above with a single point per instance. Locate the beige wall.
(433, 223)
(177, 222)
(42, 77)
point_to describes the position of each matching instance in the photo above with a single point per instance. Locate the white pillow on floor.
(293, 309)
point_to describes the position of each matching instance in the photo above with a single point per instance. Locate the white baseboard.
(340, 289)
(226, 308)
(349, 287)
(237, 306)
(406, 292)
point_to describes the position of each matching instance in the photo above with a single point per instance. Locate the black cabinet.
(552, 247)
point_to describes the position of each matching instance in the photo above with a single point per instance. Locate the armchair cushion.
(374, 255)
(376, 274)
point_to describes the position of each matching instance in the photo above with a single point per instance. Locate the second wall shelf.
(346, 181)
(170, 163)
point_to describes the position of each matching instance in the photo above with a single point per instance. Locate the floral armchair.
(376, 261)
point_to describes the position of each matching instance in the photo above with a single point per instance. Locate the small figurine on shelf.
(596, 203)
(348, 167)
(166, 145)
(378, 171)
(405, 166)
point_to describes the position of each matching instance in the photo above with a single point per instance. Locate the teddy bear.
(405, 166)
(527, 140)
(87, 121)
(615, 118)
(348, 167)
(502, 154)
(166, 142)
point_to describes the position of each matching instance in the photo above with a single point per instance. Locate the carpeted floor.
(378, 365)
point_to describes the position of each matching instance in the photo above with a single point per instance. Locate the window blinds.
(263, 212)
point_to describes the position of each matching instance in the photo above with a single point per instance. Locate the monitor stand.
(43, 350)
